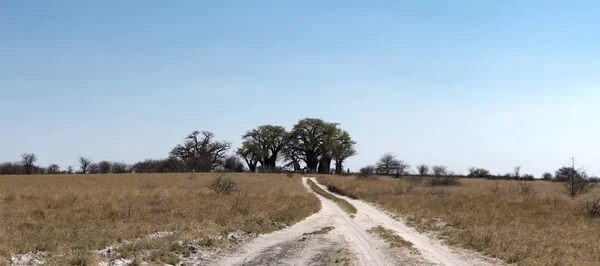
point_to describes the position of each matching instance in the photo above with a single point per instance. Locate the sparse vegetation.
(345, 205)
(65, 213)
(591, 207)
(367, 173)
(392, 238)
(443, 180)
(343, 257)
(321, 231)
(542, 227)
(223, 185)
(576, 180)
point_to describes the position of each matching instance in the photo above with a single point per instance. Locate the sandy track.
(291, 247)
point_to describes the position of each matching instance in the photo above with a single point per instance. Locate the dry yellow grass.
(543, 227)
(73, 214)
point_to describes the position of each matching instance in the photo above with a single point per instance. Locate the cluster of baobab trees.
(311, 141)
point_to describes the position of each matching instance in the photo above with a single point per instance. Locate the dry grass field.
(526, 224)
(70, 215)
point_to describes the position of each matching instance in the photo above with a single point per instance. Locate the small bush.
(591, 207)
(223, 185)
(402, 188)
(528, 177)
(578, 184)
(525, 188)
(149, 184)
(367, 173)
(414, 179)
(443, 181)
(494, 188)
(478, 173)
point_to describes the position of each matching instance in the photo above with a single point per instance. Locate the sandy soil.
(348, 243)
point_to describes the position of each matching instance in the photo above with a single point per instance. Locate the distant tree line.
(268, 148)
(389, 164)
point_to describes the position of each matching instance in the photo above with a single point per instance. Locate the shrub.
(525, 188)
(547, 176)
(367, 173)
(478, 172)
(443, 181)
(439, 170)
(423, 169)
(495, 188)
(591, 207)
(576, 180)
(414, 179)
(222, 185)
(402, 188)
(528, 177)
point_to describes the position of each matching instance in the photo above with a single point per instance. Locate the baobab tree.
(200, 151)
(266, 142)
(343, 148)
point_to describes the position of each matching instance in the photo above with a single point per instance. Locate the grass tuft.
(345, 205)
(392, 238)
(321, 231)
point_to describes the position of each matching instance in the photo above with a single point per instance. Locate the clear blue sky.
(491, 84)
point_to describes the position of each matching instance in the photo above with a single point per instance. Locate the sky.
(491, 84)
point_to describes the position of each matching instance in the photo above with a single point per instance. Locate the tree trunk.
(338, 167)
(311, 162)
(296, 166)
(273, 161)
(324, 165)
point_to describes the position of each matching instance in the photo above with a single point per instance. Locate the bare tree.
(439, 170)
(70, 169)
(93, 168)
(28, 161)
(200, 151)
(387, 163)
(402, 169)
(577, 181)
(517, 171)
(118, 168)
(53, 169)
(423, 169)
(84, 163)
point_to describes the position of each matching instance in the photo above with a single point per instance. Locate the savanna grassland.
(69, 216)
(527, 223)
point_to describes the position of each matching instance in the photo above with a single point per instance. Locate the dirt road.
(348, 242)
